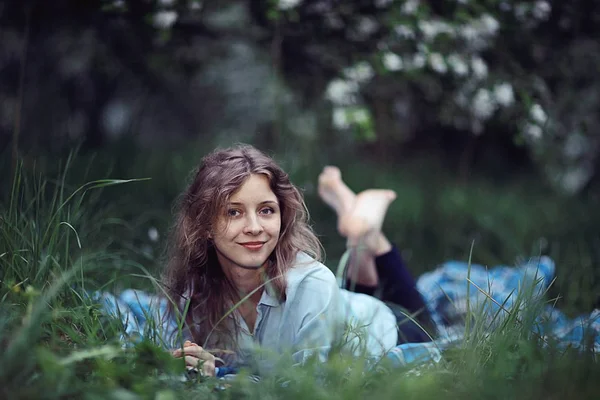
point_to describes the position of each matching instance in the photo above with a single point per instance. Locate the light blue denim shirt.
(315, 313)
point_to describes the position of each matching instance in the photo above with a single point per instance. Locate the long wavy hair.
(193, 276)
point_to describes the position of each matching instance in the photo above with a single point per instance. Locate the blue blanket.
(449, 291)
(492, 295)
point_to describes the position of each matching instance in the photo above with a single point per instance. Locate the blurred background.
(483, 115)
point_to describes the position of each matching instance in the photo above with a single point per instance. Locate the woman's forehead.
(256, 188)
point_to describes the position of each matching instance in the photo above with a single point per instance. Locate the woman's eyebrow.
(237, 203)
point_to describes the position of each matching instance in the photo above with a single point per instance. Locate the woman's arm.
(313, 313)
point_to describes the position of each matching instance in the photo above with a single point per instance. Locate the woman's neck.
(245, 280)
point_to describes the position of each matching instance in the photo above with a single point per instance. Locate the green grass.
(59, 239)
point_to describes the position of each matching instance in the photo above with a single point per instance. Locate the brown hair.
(193, 273)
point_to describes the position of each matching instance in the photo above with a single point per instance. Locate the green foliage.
(57, 343)
(49, 254)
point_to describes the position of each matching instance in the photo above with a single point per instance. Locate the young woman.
(241, 233)
(242, 242)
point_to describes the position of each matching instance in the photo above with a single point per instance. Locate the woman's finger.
(188, 347)
(191, 361)
(187, 343)
(195, 351)
(208, 367)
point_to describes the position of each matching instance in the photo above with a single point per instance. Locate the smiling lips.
(253, 245)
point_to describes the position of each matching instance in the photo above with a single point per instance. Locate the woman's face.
(248, 230)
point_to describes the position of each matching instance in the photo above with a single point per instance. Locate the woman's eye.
(267, 211)
(233, 213)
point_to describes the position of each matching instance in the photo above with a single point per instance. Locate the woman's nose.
(253, 225)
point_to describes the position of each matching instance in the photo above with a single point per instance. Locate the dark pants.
(397, 288)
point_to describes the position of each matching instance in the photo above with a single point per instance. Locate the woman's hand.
(196, 355)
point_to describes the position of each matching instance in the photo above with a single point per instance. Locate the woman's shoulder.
(307, 271)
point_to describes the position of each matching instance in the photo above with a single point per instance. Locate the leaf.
(107, 352)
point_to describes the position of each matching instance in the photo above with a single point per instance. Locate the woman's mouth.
(253, 245)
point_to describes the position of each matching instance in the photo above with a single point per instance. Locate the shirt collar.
(268, 297)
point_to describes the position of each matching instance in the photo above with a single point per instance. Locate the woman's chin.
(251, 262)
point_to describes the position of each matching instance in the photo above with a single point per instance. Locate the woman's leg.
(359, 220)
(362, 225)
(375, 263)
(333, 191)
(399, 288)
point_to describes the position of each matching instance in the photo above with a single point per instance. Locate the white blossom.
(116, 118)
(410, 6)
(575, 146)
(533, 131)
(340, 118)
(333, 21)
(166, 3)
(418, 60)
(437, 63)
(575, 178)
(469, 32)
(153, 234)
(366, 27)
(479, 67)
(538, 114)
(457, 64)
(288, 4)
(360, 72)
(427, 28)
(483, 105)
(344, 118)
(392, 61)
(504, 94)
(405, 32)
(383, 3)
(340, 91)
(479, 32)
(433, 28)
(164, 19)
(488, 24)
(541, 10)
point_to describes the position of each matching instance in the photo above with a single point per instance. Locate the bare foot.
(336, 193)
(363, 228)
(364, 221)
(359, 219)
